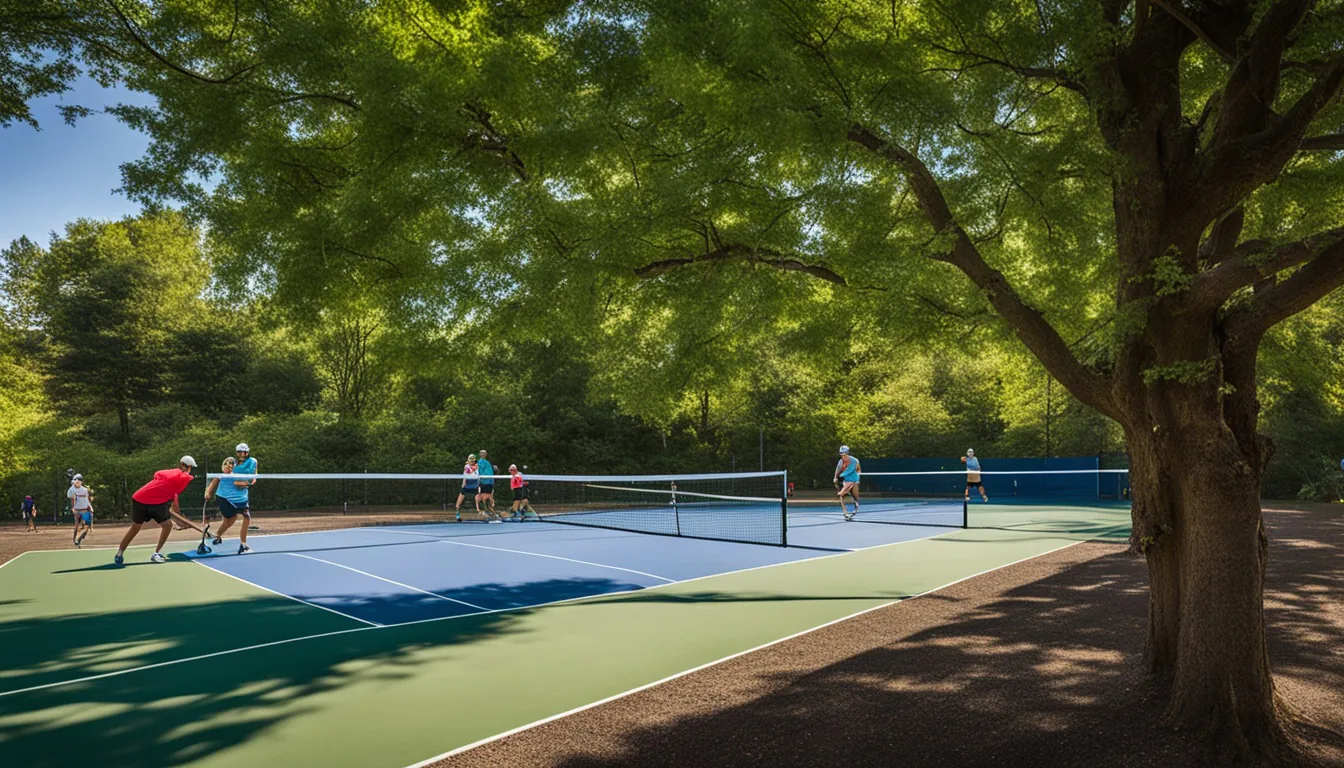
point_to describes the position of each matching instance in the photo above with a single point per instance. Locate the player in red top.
(518, 483)
(157, 500)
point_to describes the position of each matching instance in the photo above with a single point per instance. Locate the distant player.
(846, 479)
(157, 501)
(29, 509)
(518, 484)
(485, 498)
(973, 475)
(470, 486)
(81, 507)
(231, 498)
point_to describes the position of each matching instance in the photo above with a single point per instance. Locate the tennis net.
(747, 507)
(944, 498)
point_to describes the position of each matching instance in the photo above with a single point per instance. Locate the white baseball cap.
(77, 477)
(190, 462)
(242, 448)
(844, 449)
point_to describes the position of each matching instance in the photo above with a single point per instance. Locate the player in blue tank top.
(973, 475)
(233, 497)
(846, 479)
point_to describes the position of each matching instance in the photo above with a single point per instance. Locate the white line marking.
(468, 616)
(443, 540)
(389, 581)
(12, 559)
(730, 657)
(291, 597)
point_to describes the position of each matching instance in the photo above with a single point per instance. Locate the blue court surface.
(388, 575)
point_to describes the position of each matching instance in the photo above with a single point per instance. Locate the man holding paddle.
(157, 500)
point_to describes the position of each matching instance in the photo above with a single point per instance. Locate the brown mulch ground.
(1036, 664)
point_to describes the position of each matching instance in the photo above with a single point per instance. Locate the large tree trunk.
(1198, 522)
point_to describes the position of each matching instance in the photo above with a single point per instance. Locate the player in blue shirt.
(846, 479)
(233, 496)
(487, 492)
(973, 475)
(29, 508)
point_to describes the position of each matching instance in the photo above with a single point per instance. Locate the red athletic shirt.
(516, 481)
(165, 487)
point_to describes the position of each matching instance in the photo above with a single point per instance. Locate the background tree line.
(123, 348)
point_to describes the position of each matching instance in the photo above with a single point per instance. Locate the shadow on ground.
(1010, 670)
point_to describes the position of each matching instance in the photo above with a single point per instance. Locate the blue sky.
(61, 173)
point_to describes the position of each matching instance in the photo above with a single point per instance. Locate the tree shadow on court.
(1046, 673)
(179, 712)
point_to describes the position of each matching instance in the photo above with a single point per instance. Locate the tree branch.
(493, 141)
(164, 60)
(1221, 48)
(1031, 326)
(1053, 74)
(1255, 261)
(766, 256)
(1329, 141)
(1275, 303)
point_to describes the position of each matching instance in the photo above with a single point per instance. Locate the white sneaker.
(494, 520)
(157, 557)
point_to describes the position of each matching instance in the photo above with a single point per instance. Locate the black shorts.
(487, 488)
(520, 494)
(143, 513)
(230, 510)
(970, 485)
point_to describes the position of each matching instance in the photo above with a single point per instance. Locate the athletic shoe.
(243, 549)
(459, 517)
(117, 560)
(157, 557)
(218, 540)
(76, 543)
(492, 521)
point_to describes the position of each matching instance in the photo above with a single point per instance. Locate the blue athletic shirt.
(486, 469)
(972, 464)
(28, 505)
(232, 493)
(850, 474)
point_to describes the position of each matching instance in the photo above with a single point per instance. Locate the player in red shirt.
(157, 500)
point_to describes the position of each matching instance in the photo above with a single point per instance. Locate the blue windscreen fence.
(1036, 480)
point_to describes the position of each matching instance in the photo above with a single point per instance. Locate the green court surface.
(350, 695)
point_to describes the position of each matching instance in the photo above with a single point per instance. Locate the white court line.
(12, 559)
(389, 581)
(729, 657)
(525, 552)
(604, 595)
(291, 597)
(438, 618)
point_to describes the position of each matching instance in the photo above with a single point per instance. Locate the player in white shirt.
(81, 506)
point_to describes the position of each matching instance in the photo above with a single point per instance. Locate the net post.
(784, 512)
(965, 513)
(676, 509)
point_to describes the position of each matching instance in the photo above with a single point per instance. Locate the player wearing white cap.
(846, 479)
(973, 475)
(157, 501)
